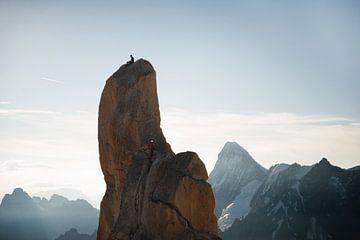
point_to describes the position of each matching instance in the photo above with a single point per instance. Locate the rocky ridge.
(303, 202)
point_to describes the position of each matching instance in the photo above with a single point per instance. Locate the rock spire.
(164, 196)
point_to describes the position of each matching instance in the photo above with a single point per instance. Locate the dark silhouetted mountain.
(235, 179)
(23, 217)
(303, 202)
(73, 234)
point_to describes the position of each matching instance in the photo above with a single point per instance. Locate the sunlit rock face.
(165, 196)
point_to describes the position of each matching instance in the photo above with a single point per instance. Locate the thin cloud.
(16, 165)
(4, 102)
(25, 111)
(51, 185)
(68, 142)
(270, 137)
(52, 80)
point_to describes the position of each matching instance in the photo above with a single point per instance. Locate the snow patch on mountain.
(240, 207)
(296, 186)
(234, 170)
(300, 173)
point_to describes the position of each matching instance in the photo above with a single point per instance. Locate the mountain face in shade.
(234, 179)
(18, 201)
(73, 234)
(23, 217)
(20, 218)
(151, 193)
(303, 202)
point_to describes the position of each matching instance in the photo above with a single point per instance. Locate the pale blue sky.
(283, 56)
(279, 77)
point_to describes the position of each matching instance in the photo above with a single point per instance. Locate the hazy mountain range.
(71, 193)
(23, 217)
(321, 201)
(73, 234)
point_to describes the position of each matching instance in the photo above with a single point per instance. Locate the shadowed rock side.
(168, 199)
(128, 117)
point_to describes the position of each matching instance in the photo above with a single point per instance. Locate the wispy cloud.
(5, 102)
(68, 142)
(269, 137)
(47, 185)
(52, 80)
(16, 165)
(25, 111)
(56, 148)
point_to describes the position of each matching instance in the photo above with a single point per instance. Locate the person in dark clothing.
(151, 146)
(131, 60)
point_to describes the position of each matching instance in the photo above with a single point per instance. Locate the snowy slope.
(240, 207)
(302, 202)
(235, 179)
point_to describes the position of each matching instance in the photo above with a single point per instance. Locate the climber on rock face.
(151, 146)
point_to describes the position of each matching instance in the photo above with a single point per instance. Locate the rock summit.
(164, 196)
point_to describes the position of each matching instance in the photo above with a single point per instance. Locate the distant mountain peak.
(18, 191)
(234, 170)
(233, 158)
(73, 234)
(18, 200)
(324, 161)
(233, 147)
(233, 153)
(23, 217)
(58, 200)
(56, 197)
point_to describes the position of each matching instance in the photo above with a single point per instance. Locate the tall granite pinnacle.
(164, 197)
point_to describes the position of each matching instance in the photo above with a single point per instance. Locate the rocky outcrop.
(161, 197)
